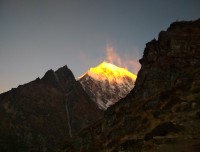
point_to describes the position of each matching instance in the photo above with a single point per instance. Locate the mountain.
(44, 114)
(162, 112)
(106, 84)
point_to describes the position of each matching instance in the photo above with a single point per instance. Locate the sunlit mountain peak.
(106, 84)
(110, 72)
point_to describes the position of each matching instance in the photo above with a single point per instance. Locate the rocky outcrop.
(162, 111)
(44, 114)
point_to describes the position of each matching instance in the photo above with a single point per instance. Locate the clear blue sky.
(38, 35)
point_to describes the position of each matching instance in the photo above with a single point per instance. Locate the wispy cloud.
(123, 59)
(128, 60)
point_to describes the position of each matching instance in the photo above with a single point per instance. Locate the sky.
(38, 35)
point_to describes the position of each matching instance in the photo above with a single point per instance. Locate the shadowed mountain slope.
(162, 112)
(44, 114)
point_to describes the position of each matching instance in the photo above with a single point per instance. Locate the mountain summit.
(43, 114)
(106, 84)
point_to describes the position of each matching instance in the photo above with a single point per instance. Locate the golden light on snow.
(110, 72)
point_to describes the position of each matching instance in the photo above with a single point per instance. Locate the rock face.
(106, 84)
(44, 114)
(161, 113)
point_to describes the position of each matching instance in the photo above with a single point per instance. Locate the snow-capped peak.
(106, 83)
(110, 72)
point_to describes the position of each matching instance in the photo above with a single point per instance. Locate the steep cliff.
(44, 114)
(162, 112)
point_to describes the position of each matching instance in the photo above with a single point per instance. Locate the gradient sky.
(38, 35)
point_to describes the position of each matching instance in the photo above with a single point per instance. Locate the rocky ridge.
(44, 114)
(162, 112)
